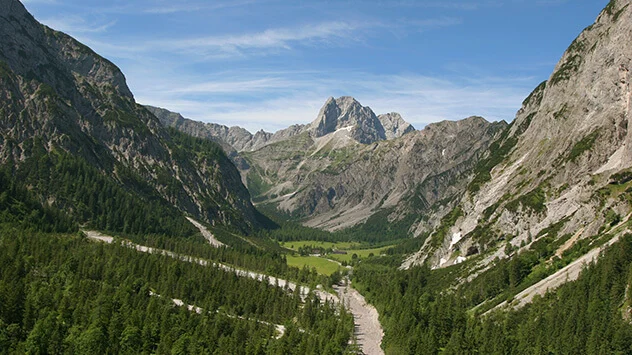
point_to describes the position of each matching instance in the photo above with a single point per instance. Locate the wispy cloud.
(39, 2)
(276, 100)
(238, 86)
(171, 8)
(324, 34)
(77, 25)
(277, 38)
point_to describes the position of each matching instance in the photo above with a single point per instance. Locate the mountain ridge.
(567, 141)
(344, 112)
(64, 104)
(317, 172)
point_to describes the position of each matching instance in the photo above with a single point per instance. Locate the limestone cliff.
(563, 162)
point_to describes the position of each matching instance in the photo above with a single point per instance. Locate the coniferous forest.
(430, 312)
(64, 294)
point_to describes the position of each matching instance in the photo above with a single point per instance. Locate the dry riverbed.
(368, 330)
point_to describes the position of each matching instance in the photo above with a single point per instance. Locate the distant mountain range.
(350, 164)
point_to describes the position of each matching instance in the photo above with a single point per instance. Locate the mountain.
(347, 113)
(350, 166)
(71, 131)
(336, 114)
(563, 167)
(333, 186)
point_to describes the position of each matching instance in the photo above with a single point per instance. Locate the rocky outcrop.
(555, 164)
(59, 97)
(394, 125)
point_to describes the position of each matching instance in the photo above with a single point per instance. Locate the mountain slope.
(337, 187)
(71, 130)
(564, 162)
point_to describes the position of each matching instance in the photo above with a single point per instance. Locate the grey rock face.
(571, 134)
(60, 94)
(394, 125)
(346, 112)
(34, 50)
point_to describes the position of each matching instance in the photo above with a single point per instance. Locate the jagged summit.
(364, 126)
(346, 112)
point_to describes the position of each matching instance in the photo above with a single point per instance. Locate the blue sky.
(268, 64)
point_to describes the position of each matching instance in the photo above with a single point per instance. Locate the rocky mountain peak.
(347, 112)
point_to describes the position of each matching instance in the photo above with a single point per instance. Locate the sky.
(272, 63)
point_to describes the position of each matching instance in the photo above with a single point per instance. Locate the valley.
(128, 228)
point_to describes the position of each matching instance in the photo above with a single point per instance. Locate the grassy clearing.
(362, 253)
(322, 265)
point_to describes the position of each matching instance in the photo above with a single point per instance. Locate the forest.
(427, 311)
(61, 293)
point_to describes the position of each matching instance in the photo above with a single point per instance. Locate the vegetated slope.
(351, 167)
(63, 294)
(427, 311)
(564, 162)
(71, 131)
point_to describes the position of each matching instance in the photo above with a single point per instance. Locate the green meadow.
(322, 265)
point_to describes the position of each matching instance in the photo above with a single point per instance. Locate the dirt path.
(94, 235)
(280, 329)
(206, 233)
(368, 330)
(275, 281)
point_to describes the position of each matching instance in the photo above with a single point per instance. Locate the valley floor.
(368, 330)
